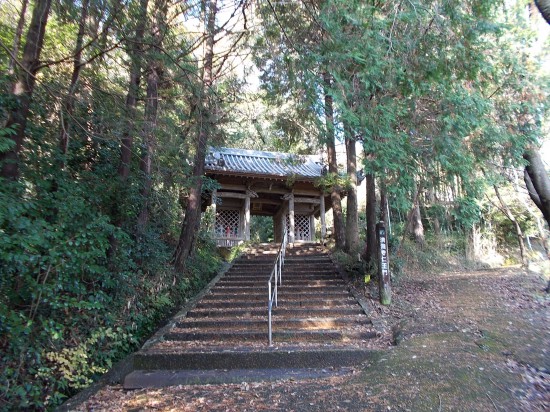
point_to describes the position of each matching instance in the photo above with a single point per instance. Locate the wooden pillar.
(277, 229)
(311, 228)
(247, 218)
(291, 229)
(322, 216)
(214, 199)
(280, 222)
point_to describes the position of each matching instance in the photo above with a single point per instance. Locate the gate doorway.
(261, 229)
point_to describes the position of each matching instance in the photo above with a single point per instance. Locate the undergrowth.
(437, 254)
(71, 304)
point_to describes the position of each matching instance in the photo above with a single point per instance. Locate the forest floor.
(464, 340)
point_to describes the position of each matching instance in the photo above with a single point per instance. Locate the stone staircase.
(317, 324)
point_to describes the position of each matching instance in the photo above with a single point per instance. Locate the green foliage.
(500, 226)
(68, 310)
(261, 229)
(331, 180)
(466, 212)
(81, 283)
(7, 144)
(351, 264)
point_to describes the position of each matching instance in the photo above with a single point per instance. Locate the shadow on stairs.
(318, 327)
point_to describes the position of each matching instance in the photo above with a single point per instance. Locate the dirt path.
(467, 341)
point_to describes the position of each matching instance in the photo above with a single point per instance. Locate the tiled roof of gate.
(242, 161)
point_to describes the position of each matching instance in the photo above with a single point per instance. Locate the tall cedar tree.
(191, 221)
(67, 108)
(154, 72)
(335, 190)
(136, 62)
(24, 87)
(352, 215)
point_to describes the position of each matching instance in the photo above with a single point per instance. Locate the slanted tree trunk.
(335, 196)
(371, 247)
(69, 102)
(536, 217)
(537, 182)
(17, 37)
(136, 59)
(192, 214)
(352, 218)
(544, 8)
(24, 88)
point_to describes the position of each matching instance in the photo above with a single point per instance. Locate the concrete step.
(295, 281)
(170, 358)
(279, 311)
(252, 266)
(293, 335)
(288, 288)
(306, 272)
(297, 272)
(286, 279)
(289, 323)
(289, 259)
(303, 295)
(157, 378)
(260, 304)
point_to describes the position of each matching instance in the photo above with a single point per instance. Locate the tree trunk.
(384, 216)
(192, 214)
(415, 228)
(538, 183)
(335, 197)
(135, 53)
(435, 218)
(544, 8)
(24, 87)
(508, 213)
(17, 37)
(418, 227)
(70, 99)
(151, 109)
(136, 58)
(535, 216)
(352, 218)
(371, 248)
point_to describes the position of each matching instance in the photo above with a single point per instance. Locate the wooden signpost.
(383, 264)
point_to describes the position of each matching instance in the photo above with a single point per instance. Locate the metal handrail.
(276, 278)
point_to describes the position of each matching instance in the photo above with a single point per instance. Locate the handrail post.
(275, 288)
(277, 276)
(269, 305)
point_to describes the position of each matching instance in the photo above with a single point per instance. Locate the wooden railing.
(228, 241)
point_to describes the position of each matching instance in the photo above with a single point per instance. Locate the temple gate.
(274, 184)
